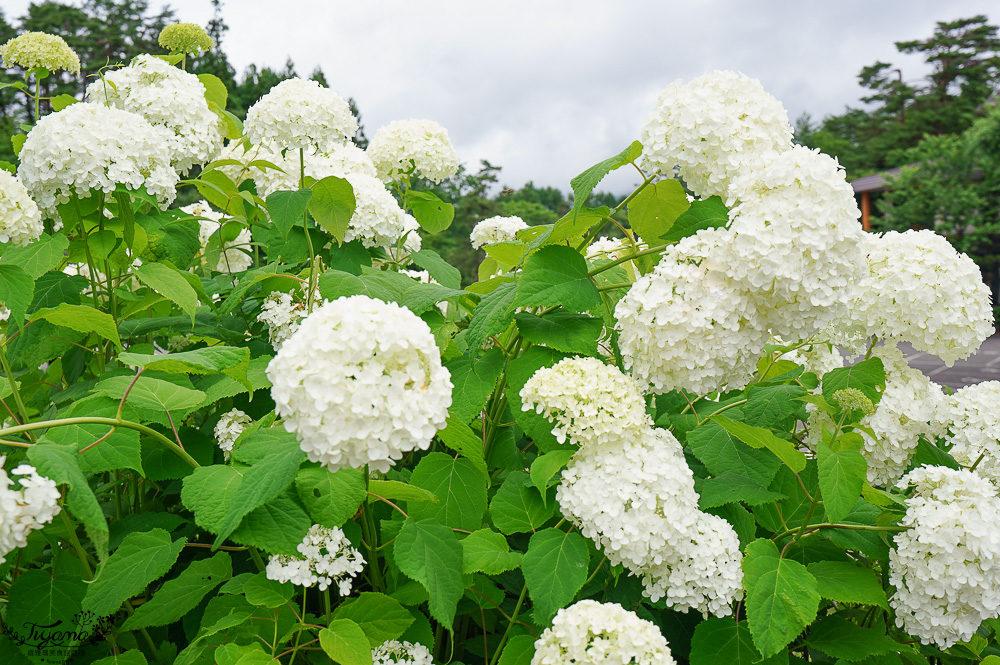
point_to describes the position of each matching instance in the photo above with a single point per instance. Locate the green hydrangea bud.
(40, 49)
(852, 399)
(188, 38)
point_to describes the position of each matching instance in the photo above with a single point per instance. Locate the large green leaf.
(207, 493)
(519, 651)
(433, 214)
(841, 476)
(555, 568)
(655, 209)
(759, 437)
(546, 466)
(459, 437)
(838, 637)
(731, 488)
(781, 597)
(493, 315)
(182, 594)
(277, 527)
(38, 257)
(459, 485)
(82, 319)
(171, 284)
(773, 407)
(41, 605)
(151, 393)
(330, 498)
(583, 185)
(561, 330)
(208, 360)
(143, 557)
(474, 378)
(380, 617)
(345, 643)
(868, 376)
(486, 551)
(429, 553)
(286, 208)
(332, 205)
(708, 214)
(719, 640)
(518, 506)
(723, 453)
(847, 582)
(557, 275)
(439, 269)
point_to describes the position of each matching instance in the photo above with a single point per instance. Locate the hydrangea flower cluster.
(89, 146)
(593, 633)
(361, 382)
(169, 98)
(327, 559)
(687, 325)
(300, 114)
(235, 256)
(420, 146)
(395, 652)
(496, 229)
(25, 509)
(973, 421)
(281, 314)
(591, 403)
(818, 358)
(920, 289)
(229, 428)
(20, 219)
(40, 49)
(946, 567)
(378, 221)
(633, 494)
(339, 161)
(712, 128)
(188, 38)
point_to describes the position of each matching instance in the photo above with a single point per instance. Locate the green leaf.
(562, 330)
(38, 257)
(278, 526)
(397, 491)
(345, 643)
(332, 205)
(59, 102)
(721, 640)
(458, 436)
(731, 488)
(120, 450)
(143, 557)
(929, 454)
(758, 437)
(429, 553)
(546, 466)
(846, 582)
(774, 407)
(247, 281)
(286, 209)
(208, 491)
(61, 464)
(439, 269)
(262, 591)
(518, 507)
(583, 185)
(262, 482)
(708, 214)
(723, 453)
(868, 376)
(182, 594)
(519, 651)
(574, 225)
(781, 597)
(331, 498)
(486, 551)
(130, 657)
(151, 393)
(208, 360)
(474, 379)
(380, 617)
(169, 283)
(555, 568)
(655, 209)
(17, 289)
(82, 319)
(838, 637)
(493, 315)
(433, 214)
(557, 275)
(459, 485)
(841, 476)
(39, 599)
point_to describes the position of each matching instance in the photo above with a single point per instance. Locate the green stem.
(631, 196)
(13, 386)
(619, 285)
(255, 555)
(112, 422)
(309, 242)
(718, 411)
(86, 250)
(510, 626)
(850, 527)
(326, 606)
(75, 542)
(369, 532)
(624, 259)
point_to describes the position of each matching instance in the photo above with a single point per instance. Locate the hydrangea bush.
(268, 427)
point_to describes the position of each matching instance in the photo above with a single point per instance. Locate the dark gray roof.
(874, 183)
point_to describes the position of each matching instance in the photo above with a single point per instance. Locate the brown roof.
(874, 183)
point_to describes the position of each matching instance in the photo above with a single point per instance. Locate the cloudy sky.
(545, 88)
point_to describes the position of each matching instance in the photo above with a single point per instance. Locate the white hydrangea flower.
(593, 633)
(496, 229)
(591, 403)
(795, 244)
(235, 255)
(40, 49)
(920, 289)
(20, 219)
(420, 145)
(378, 221)
(946, 567)
(89, 146)
(339, 161)
(610, 248)
(4, 315)
(712, 128)
(361, 382)
(24, 509)
(637, 502)
(229, 428)
(395, 652)
(910, 407)
(972, 416)
(300, 114)
(411, 237)
(169, 97)
(687, 325)
(327, 559)
(817, 357)
(281, 313)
